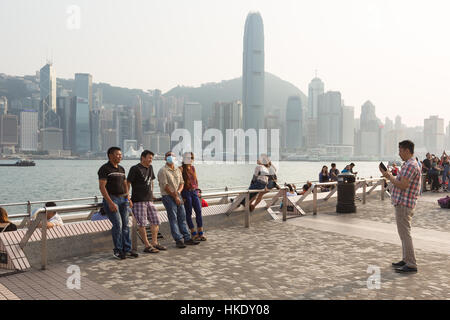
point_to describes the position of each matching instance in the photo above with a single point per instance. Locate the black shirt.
(427, 164)
(141, 178)
(115, 178)
(10, 227)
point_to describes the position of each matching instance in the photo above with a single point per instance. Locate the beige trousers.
(404, 215)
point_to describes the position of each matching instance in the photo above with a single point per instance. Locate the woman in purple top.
(190, 196)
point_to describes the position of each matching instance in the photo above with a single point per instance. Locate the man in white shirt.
(53, 219)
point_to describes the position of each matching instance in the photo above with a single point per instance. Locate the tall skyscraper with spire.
(253, 72)
(315, 89)
(47, 88)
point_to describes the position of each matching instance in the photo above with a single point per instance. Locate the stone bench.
(65, 241)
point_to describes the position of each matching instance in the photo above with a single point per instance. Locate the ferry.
(19, 163)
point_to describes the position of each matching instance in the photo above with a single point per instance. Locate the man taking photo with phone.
(405, 191)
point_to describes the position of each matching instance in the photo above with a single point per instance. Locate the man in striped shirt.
(406, 190)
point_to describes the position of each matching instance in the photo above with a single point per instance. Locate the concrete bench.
(65, 241)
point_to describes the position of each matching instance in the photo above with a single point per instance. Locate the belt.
(120, 195)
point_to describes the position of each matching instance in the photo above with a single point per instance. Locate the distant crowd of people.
(437, 171)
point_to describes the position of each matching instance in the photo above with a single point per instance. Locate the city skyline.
(374, 55)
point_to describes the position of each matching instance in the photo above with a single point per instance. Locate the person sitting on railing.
(352, 165)
(305, 188)
(290, 193)
(204, 203)
(323, 178)
(272, 183)
(5, 224)
(334, 172)
(260, 180)
(53, 218)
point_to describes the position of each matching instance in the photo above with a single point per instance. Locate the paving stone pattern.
(270, 260)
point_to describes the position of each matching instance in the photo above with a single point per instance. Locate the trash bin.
(346, 193)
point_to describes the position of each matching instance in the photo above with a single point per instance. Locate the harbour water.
(62, 179)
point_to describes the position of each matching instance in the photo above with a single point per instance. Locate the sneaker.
(119, 255)
(406, 269)
(191, 242)
(132, 255)
(398, 264)
(180, 244)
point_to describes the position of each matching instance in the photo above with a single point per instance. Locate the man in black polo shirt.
(116, 201)
(140, 178)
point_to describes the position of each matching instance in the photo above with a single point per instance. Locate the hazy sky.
(395, 53)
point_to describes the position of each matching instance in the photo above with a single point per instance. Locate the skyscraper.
(192, 113)
(3, 105)
(227, 115)
(29, 130)
(315, 89)
(433, 134)
(65, 106)
(47, 87)
(253, 72)
(348, 125)
(82, 126)
(294, 122)
(83, 122)
(329, 118)
(138, 117)
(83, 87)
(370, 136)
(125, 125)
(9, 135)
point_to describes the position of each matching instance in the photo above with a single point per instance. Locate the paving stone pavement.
(271, 260)
(428, 214)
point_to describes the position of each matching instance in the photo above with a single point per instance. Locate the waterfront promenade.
(311, 257)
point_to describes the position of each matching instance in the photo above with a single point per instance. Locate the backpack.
(444, 202)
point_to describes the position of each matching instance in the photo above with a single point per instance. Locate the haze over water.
(63, 179)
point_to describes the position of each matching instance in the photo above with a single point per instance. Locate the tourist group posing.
(179, 191)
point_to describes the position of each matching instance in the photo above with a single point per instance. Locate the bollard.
(285, 204)
(383, 188)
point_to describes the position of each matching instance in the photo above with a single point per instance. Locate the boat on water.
(19, 163)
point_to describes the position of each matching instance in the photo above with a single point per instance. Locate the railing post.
(43, 219)
(364, 192)
(285, 204)
(247, 210)
(315, 200)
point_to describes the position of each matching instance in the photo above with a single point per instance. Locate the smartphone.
(382, 166)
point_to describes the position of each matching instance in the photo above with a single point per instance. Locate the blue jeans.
(119, 219)
(177, 218)
(445, 175)
(192, 202)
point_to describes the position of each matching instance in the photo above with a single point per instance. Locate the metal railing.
(41, 220)
(271, 198)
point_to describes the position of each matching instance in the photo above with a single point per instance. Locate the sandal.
(160, 247)
(151, 250)
(201, 238)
